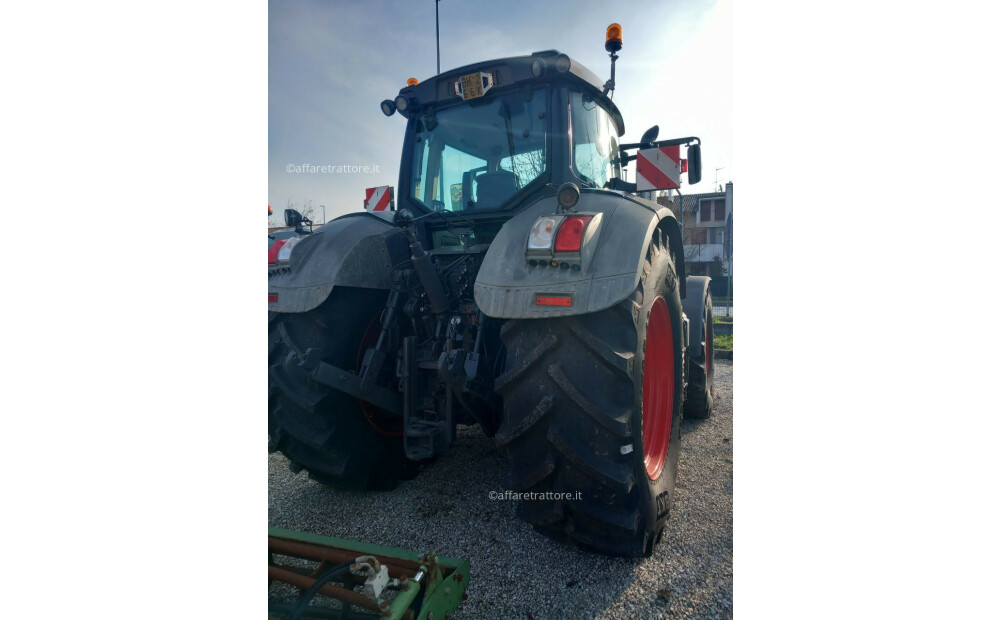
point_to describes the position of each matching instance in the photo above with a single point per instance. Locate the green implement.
(359, 580)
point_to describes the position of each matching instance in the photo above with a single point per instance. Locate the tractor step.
(381, 582)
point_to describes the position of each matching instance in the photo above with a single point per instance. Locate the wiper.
(510, 140)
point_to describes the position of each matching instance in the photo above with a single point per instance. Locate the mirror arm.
(618, 184)
(659, 143)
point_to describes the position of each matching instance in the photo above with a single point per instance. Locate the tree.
(526, 166)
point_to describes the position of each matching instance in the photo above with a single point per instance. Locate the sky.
(331, 63)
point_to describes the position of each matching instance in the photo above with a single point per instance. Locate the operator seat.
(493, 188)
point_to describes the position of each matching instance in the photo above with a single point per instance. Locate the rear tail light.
(272, 253)
(570, 235)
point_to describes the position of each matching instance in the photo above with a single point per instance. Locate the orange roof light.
(412, 82)
(613, 38)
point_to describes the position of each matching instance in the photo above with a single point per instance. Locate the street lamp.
(324, 213)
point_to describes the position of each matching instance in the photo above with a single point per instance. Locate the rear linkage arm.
(363, 384)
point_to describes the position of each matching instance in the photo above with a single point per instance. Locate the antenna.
(437, 34)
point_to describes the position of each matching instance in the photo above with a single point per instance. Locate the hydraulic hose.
(321, 581)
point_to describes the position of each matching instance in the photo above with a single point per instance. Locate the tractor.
(521, 285)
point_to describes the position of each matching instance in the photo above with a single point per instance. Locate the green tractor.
(520, 285)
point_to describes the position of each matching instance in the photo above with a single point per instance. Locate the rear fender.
(611, 264)
(348, 251)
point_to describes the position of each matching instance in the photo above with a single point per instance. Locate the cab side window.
(595, 146)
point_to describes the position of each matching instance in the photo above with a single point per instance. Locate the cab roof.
(439, 89)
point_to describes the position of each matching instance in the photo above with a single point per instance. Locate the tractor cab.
(490, 137)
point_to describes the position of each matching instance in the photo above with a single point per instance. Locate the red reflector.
(272, 298)
(554, 300)
(570, 235)
(272, 254)
(684, 165)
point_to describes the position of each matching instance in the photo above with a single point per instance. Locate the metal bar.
(403, 599)
(673, 142)
(304, 583)
(394, 555)
(398, 567)
(350, 383)
(409, 383)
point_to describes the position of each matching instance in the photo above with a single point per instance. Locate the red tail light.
(570, 235)
(554, 300)
(272, 254)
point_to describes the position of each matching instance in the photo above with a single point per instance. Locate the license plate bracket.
(474, 85)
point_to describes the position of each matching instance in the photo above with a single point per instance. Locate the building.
(707, 222)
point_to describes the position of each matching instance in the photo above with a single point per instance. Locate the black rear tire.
(319, 429)
(573, 400)
(701, 382)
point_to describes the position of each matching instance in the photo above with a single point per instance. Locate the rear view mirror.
(293, 218)
(650, 135)
(694, 163)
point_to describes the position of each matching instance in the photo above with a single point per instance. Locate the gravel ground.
(517, 573)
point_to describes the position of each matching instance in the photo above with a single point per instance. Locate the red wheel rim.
(657, 389)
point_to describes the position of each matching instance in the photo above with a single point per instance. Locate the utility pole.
(437, 34)
(729, 243)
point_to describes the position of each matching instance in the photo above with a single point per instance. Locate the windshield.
(595, 148)
(480, 154)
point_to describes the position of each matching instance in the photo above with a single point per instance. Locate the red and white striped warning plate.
(658, 168)
(378, 198)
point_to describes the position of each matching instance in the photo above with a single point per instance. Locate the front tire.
(592, 407)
